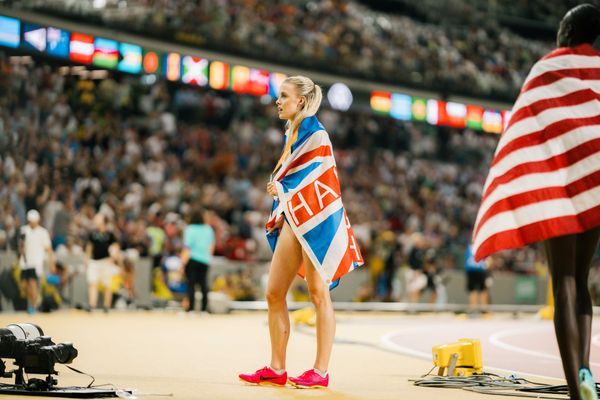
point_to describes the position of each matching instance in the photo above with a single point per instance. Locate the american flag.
(309, 195)
(544, 180)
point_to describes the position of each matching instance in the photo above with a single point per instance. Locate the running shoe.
(265, 376)
(587, 386)
(310, 380)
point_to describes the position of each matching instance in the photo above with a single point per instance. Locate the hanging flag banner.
(258, 84)
(419, 109)
(34, 37)
(219, 75)
(401, 107)
(58, 42)
(240, 76)
(173, 66)
(275, 81)
(492, 121)
(106, 54)
(131, 58)
(475, 117)
(195, 71)
(381, 102)
(10, 32)
(82, 48)
(457, 114)
(151, 62)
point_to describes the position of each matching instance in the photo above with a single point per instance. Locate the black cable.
(489, 383)
(83, 373)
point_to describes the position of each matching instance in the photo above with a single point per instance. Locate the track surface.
(199, 357)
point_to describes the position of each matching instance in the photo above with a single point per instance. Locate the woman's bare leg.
(587, 243)
(284, 266)
(320, 297)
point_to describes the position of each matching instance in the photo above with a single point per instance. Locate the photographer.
(34, 244)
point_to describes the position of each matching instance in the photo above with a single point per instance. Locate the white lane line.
(496, 340)
(388, 343)
(596, 340)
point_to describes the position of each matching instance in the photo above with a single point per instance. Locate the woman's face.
(288, 103)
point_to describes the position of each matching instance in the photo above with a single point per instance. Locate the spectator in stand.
(199, 246)
(102, 256)
(157, 237)
(35, 246)
(417, 279)
(478, 281)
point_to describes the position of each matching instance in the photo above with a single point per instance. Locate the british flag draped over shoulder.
(545, 177)
(308, 194)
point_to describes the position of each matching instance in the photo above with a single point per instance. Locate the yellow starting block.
(462, 358)
(305, 316)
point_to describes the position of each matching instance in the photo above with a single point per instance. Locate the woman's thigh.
(285, 263)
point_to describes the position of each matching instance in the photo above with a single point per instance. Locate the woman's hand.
(271, 189)
(278, 224)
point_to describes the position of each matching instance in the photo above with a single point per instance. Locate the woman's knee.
(275, 296)
(564, 290)
(318, 296)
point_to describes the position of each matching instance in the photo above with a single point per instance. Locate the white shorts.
(416, 280)
(101, 271)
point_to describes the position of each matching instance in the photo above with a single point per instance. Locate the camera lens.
(63, 353)
(25, 331)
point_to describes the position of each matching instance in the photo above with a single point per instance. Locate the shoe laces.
(309, 373)
(267, 370)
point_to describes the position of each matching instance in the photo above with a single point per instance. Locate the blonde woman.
(308, 231)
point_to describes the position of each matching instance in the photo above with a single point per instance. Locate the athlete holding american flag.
(544, 183)
(308, 230)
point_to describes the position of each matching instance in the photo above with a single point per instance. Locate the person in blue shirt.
(478, 280)
(199, 246)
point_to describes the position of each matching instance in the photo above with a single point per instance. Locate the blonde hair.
(313, 95)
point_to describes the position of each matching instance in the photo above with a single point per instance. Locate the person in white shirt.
(35, 245)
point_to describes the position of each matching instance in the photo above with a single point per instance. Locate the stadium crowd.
(472, 56)
(539, 14)
(142, 153)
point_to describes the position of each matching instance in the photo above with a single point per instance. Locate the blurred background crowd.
(144, 151)
(143, 154)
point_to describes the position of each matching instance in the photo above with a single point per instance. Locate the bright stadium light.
(340, 97)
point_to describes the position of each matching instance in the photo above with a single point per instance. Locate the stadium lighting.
(340, 97)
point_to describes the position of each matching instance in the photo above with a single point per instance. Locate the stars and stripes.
(544, 180)
(309, 196)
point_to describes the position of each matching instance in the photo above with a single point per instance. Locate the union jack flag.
(309, 195)
(545, 177)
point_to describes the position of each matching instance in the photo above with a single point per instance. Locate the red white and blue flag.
(309, 195)
(545, 177)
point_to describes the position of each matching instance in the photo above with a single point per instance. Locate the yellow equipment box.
(462, 358)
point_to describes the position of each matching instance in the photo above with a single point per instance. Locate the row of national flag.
(437, 112)
(82, 48)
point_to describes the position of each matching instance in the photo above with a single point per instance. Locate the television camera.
(33, 353)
